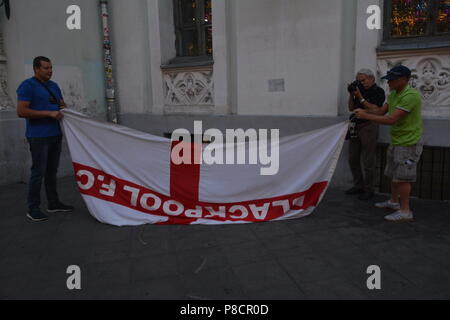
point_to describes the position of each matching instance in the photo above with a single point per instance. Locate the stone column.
(5, 101)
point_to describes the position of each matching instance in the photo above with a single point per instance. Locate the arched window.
(417, 20)
(193, 28)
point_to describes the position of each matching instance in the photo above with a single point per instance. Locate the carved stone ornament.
(189, 88)
(5, 101)
(430, 76)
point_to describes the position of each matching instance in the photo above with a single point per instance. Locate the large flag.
(127, 177)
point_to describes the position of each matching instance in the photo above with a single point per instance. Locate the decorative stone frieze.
(189, 90)
(5, 101)
(430, 76)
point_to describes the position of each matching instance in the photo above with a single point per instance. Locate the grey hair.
(366, 72)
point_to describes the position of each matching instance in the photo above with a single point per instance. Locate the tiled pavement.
(324, 256)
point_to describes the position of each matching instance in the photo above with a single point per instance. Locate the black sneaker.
(59, 207)
(366, 196)
(36, 216)
(354, 191)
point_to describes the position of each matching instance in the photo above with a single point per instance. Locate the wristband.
(362, 100)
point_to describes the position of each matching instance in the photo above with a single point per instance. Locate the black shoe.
(36, 216)
(366, 196)
(354, 190)
(59, 207)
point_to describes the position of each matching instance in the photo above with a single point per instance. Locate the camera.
(352, 130)
(352, 87)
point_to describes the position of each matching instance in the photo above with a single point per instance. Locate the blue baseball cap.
(397, 72)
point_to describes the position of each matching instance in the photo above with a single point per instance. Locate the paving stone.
(246, 253)
(198, 261)
(323, 256)
(100, 276)
(262, 276)
(153, 267)
(336, 288)
(309, 268)
(220, 283)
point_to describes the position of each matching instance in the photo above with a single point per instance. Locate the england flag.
(127, 177)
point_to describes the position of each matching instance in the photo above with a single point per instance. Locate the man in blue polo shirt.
(39, 102)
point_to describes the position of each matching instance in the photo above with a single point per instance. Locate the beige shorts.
(401, 162)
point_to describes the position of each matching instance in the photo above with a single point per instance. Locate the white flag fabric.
(127, 177)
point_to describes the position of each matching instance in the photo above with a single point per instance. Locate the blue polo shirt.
(31, 90)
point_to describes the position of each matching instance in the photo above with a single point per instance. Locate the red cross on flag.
(127, 177)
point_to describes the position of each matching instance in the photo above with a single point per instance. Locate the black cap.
(397, 72)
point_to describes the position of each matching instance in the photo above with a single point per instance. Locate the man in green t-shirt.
(403, 111)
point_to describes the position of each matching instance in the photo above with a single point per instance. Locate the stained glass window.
(208, 29)
(193, 25)
(443, 17)
(417, 18)
(409, 18)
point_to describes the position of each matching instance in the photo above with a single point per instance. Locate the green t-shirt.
(408, 131)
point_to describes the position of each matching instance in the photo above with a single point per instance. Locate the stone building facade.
(259, 64)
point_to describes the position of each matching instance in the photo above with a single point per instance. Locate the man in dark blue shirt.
(39, 102)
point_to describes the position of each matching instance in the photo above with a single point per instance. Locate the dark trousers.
(363, 151)
(45, 154)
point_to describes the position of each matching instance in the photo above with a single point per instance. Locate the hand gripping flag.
(127, 177)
